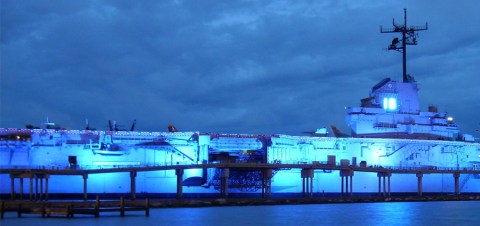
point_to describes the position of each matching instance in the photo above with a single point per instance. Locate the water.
(399, 213)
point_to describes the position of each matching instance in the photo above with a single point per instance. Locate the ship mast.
(409, 37)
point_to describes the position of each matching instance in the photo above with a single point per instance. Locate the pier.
(346, 172)
(38, 202)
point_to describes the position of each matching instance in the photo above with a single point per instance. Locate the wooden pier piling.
(70, 209)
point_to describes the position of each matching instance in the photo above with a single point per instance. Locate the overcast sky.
(263, 67)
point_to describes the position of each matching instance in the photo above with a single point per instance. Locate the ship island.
(393, 147)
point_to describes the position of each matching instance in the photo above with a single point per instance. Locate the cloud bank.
(239, 67)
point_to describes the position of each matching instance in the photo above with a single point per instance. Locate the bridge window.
(390, 103)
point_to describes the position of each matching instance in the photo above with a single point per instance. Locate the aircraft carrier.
(388, 130)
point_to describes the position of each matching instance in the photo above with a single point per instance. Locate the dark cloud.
(238, 67)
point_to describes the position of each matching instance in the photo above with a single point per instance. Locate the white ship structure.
(388, 130)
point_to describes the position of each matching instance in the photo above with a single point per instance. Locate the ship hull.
(56, 149)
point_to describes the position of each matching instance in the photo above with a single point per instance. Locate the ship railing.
(421, 168)
(119, 166)
(96, 166)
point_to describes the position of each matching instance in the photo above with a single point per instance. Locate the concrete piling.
(85, 177)
(456, 176)
(224, 182)
(307, 182)
(345, 176)
(384, 179)
(133, 192)
(179, 173)
(267, 175)
(420, 183)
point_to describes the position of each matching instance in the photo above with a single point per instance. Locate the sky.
(256, 67)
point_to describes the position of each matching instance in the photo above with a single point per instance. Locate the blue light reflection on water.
(400, 213)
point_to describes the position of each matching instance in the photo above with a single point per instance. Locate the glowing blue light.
(390, 103)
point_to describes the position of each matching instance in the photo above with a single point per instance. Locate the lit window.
(390, 103)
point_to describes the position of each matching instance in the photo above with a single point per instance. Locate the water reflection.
(399, 213)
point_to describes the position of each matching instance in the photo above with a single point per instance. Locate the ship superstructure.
(393, 108)
(388, 130)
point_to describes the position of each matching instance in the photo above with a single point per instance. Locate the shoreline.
(219, 202)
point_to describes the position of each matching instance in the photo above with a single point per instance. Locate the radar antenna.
(409, 37)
